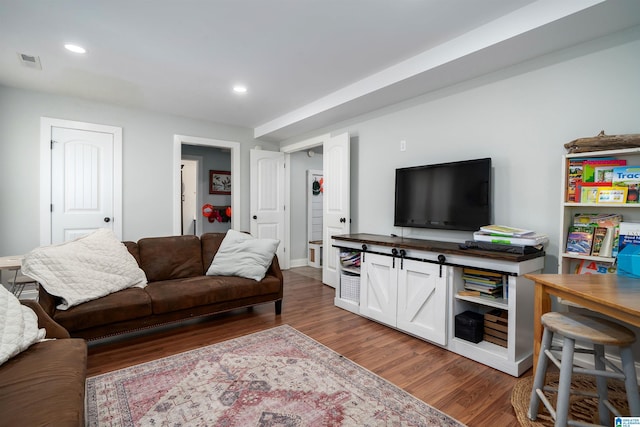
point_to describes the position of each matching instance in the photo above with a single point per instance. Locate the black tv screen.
(449, 196)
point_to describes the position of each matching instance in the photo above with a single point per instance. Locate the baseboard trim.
(300, 262)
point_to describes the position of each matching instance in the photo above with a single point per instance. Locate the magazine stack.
(509, 239)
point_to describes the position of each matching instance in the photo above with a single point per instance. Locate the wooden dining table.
(609, 294)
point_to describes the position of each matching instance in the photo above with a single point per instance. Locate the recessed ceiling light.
(75, 48)
(240, 89)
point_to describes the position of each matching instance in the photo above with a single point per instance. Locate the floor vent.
(30, 61)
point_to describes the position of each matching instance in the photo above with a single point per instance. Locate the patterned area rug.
(277, 377)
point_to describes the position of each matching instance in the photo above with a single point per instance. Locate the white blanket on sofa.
(84, 269)
(18, 326)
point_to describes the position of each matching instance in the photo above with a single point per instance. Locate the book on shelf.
(496, 294)
(483, 283)
(603, 219)
(574, 175)
(600, 170)
(469, 293)
(615, 241)
(480, 280)
(534, 239)
(492, 276)
(593, 267)
(615, 195)
(597, 193)
(504, 230)
(599, 234)
(478, 272)
(483, 288)
(629, 235)
(580, 239)
(610, 221)
(629, 178)
(588, 193)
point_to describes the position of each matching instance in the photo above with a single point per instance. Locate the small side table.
(13, 263)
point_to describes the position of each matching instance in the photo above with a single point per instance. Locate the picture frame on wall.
(219, 182)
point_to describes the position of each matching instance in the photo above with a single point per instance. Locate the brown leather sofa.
(45, 384)
(177, 289)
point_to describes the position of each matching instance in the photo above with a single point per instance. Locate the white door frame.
(46, 125)
(178, 140)
(298, 146)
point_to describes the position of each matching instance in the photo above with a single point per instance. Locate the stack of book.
(486, 283)
(602, 180)
(504, 235)
(594, 234)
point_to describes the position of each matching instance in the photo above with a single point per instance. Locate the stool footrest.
(574, 392)
(597, 373)
(612, 366)
(553, 358)
(575, 350)
(546, 403)
(581, 424)
(612, 408)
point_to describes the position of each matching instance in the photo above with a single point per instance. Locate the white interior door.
(190, 174)
(85, 180)
(337, 217)
(267, 186)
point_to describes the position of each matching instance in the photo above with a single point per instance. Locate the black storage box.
(469, 326)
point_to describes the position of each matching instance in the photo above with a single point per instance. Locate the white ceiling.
(306, 63)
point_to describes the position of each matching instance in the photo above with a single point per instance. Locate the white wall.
(520, 117)
(147, 162)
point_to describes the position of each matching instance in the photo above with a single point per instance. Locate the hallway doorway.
(231, 152)
(190, 191)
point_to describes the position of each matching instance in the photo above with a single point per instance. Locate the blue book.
(629, 235)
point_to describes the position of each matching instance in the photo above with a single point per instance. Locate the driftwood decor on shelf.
(603, 142)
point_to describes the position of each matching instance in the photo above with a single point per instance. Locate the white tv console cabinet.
(412, 285)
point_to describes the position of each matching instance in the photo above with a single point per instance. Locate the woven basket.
(350, 287)
(581, 408)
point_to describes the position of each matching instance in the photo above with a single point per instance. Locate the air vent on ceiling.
(30, 61)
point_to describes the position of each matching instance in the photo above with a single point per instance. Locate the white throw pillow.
(84, 269)
(18, 326)
(243, 255)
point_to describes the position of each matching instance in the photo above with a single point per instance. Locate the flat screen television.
(448, 196)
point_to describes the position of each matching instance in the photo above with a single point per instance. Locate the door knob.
(255, 217)
(107, 219)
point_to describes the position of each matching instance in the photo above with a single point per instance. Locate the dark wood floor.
(469, 391)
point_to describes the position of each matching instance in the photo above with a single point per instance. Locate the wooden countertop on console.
(432, 246)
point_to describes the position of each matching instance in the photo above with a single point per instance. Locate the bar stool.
(598, 333)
